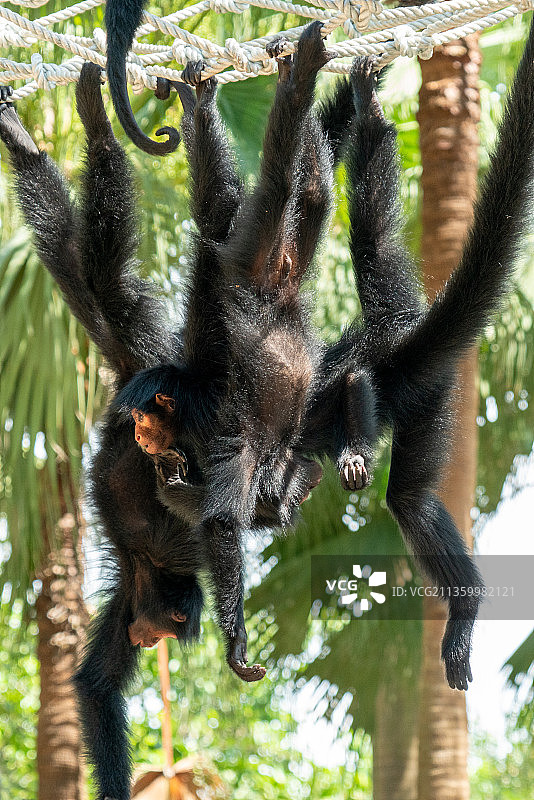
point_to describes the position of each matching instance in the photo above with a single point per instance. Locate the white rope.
(365, 27)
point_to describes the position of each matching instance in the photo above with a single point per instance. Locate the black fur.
(122, 18)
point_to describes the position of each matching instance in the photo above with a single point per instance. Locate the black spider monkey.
(89, 250)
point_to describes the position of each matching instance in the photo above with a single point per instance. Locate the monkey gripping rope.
(365, 27)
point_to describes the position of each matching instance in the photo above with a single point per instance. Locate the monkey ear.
(177, 617)
(166, 402)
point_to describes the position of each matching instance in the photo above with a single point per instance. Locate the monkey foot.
(247, 674)
(312, 54)
(12, 131)
(276, 47)
(237, 659)
(353, 473)
(363, 78)
(192, 72)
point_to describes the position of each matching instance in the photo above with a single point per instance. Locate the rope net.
(365, 27)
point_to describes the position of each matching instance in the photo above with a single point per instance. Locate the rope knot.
(360, 14)
(42, 73)
(410, 44)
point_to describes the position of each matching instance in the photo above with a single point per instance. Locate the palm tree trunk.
(448, 117)
(395, 742)
(61, 619)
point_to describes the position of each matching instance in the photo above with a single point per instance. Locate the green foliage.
(49, 383)
(497, 777)
(506, 415)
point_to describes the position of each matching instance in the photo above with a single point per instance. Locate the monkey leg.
(434, 539)
(360, 431)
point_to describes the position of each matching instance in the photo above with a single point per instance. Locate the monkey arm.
(222, 539)
(216, 188)
(43, 196)
(107, 667)
(135, 334)
(359, 431)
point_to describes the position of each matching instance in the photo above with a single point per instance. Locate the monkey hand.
(363, 78)
(455, 652)
(171, 466)
(353, 474)
(237, 659)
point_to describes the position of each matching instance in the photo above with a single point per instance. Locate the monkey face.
(154, 430)
(147, 633)
(164, 605)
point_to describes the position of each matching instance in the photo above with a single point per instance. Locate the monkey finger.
(5, 93)
(275, 48)
(192, 72)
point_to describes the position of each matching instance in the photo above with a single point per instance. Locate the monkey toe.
(353, 474)
(192, 73)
